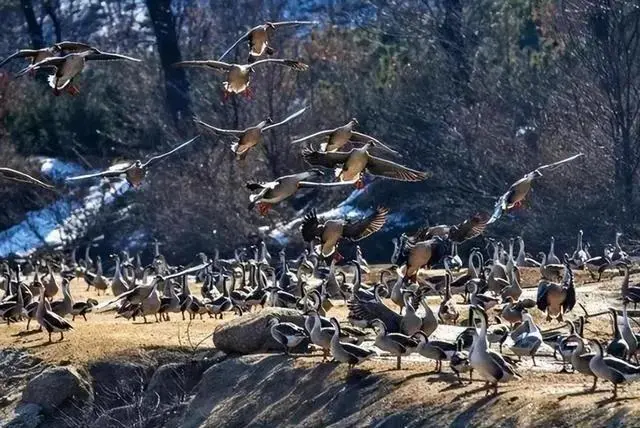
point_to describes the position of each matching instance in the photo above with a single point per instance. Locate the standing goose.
(63, 307)
(238, 75)
(331, 231)
(49, 320)
(551, 257)
(528, 342)
(287, 334)
(550, 271)
(396, 344)
(597, 264)
(557, 299)
(276, 191)
(83, 308)
(350, 166)
(69, 66)
(36, 55)
(347, 353)
(618, 346)
(134, 172)
(579, 256)
(259, 38)
(250, 137)
(613, 369)
(518, 191)
(436, 350)
(448, 310)
(581, 359)
(489, 364)
(618, 253)
(340, 136)
(627, 333)
(21, 177)
(118, 284)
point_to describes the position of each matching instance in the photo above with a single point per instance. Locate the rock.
(123, 416)
(250, 333)
(172, 383)
(26, 416)
(51, 388)
(118, 383)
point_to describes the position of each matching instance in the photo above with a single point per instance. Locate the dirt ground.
(103, 337)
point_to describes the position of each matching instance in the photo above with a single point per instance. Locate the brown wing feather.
(386, 168)
(469, 228)
(311, 228)
(360, 229)
(327, 160)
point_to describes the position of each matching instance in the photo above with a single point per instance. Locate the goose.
(551, 257)
(497, 333)
(629, 292)
(489, 364)
(612, 369)
(355, 162)
(99, 282)
(579, 256)
(429, 322)
(69, 66)
(474, 273)
(134, 172)
(338, 137)
(523, 260)
(21, 177)
(448, 311)
(49, 321)
(331, 231)
(118, 284)
(36, 55)
(63, 307)
(321, 331)
(597, 264)
(14, 311)
(581, 359)
(286, 334)
(360, 259)
(248, 138)
(412, 323)
(222, 303)
(259, 38)
(628, 334)
(618, 253)
(512, 290)
(549, 271)
(50, 284)
(455, 261)
(436, 350)
(397, 344)
(557, 299)
(238, 75)
(459, 362)
(169, 302)
(618, 346)
(513, 198)
(347, 353)
(363, 312)
(83, 308)
(529, 342)
(276, 191)
(565, 345)
(484, 301)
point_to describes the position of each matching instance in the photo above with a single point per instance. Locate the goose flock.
(486, 301)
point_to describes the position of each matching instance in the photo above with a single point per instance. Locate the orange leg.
(73, 90)
(360, 184)
(263, 208)
(225, 95)
(248, 93)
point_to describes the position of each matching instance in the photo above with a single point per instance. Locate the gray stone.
(118, 383)
(250, 333)
(51, 388)
(26, 416)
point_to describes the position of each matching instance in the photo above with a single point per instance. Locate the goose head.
(354, 121)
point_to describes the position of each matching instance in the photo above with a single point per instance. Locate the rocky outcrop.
(250, 333)
(55, 385)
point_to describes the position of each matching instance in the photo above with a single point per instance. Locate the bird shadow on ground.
(618, 400)
(43, 344)
(465, 417)
(26, 333)
(483, 388)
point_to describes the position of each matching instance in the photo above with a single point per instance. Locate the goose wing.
(51, 62)
(56, 321)
(282, 122)
(109, 56)
(292, 63)
(366, 226)
(22, 53)
(541, 296)
(371, 310)
(332, 184)
(554, 165)
(292, 23)
(243, 37)
(170, 152)
(317, 134)
(107, 173)
(311, 227)
(218, 65)
(364, 138)
(500, 207)
(357, 352)
(621, 367)
(12, 174)
(67, 46)
(389, 169)
(470, 228)
(501, 365)
(220, 130)
(327, 160)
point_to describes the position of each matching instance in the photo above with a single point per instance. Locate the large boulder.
(55, 385)
(250, 333)
(117, 383)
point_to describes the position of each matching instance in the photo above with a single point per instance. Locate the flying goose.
(69, 66)
(273, 192)
(347, 352)
(259, 37)
(518, 191)
(330, 232)
(49, 320)
(250, 137)
(396, 344)
(287, 334)
(350, 166)
(36, 55)
(340, 136)
(21, 177)
(238, 75)
(613, 369)
(134, 172)
(489, 364)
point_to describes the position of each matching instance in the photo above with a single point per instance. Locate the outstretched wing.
(22, 53)
(292, 23)
(108, 56)
(469, 228)
(500, 207)
(292, 63)
(317, 134)
(282, 122)
(222, 131)
(243, 37)
(364, 138)
(70, 47)
(12, 174)
(310, 228)
(386, 168)
(218, 65)
(107, 173)
(327, 160)
(51, 62)
(170, 152)
(554, 165)
(332, 184)
(360, 229)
